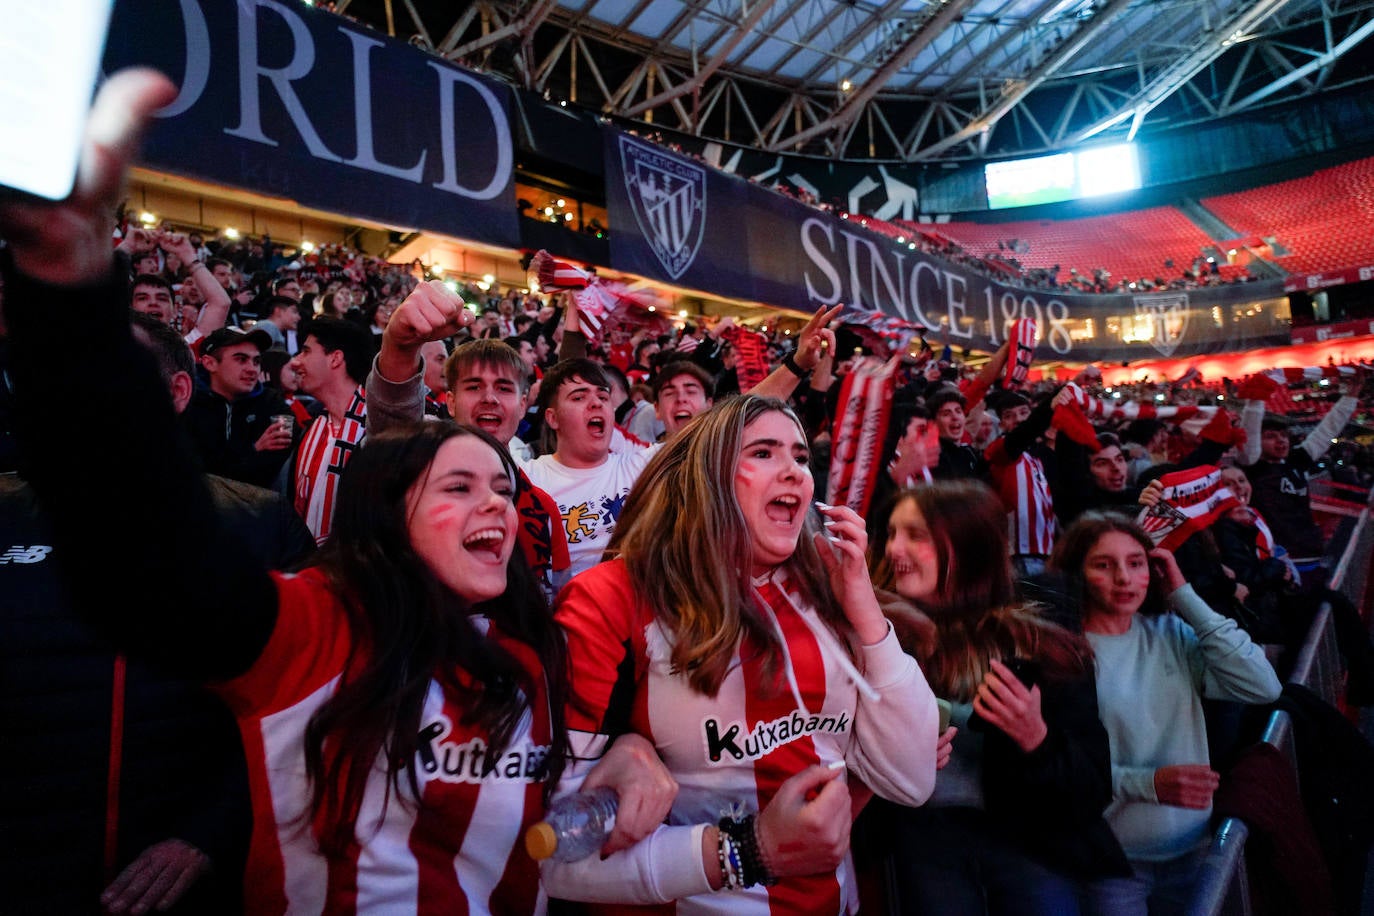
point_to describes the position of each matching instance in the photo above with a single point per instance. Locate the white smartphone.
(50, 55)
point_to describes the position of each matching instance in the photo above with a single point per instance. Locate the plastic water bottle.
(574, 827)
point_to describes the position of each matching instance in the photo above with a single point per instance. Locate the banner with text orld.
(286, 100)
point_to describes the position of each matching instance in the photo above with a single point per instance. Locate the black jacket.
(141, 567)
(1281, 496)
(1051, 800)
(182, 768)
(224, 434)
(959, 462)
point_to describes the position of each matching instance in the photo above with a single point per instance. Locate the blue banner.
(842, 262)
(675, 219)
(286, 100)
(678, 221)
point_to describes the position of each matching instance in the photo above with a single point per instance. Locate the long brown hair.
(975, 607)
(1072, 549)
(686, 546)
(409, 629)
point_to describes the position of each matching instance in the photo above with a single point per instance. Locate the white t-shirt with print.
(590, 501)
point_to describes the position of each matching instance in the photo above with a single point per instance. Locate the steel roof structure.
(902, 80)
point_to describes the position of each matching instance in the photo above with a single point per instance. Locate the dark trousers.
(955, 862)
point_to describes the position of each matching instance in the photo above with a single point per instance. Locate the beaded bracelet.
(764, 865)
(744, 838)
(731, 868)
(729, 862)
(752, 853)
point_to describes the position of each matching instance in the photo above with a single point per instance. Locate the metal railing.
(1223, 887)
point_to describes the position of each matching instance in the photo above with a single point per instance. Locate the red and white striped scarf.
(555, 274)
(880, 331)
(1022, 337)
(323, 455)
(599, 302)
(751, 351)
(1264, 541)
(1192, 500)
(1190, 417)
(859, 432)
(1292, 374)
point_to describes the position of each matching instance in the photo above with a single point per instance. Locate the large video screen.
(1066, 176)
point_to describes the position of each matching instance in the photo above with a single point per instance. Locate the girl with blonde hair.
(737, 629)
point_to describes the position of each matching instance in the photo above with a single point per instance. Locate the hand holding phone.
(69, 244)
(1027, 670)
(49, 60)
(1008, 699)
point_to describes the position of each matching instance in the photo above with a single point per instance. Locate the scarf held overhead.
(859, 432)
(1192, 500)
(599, 302)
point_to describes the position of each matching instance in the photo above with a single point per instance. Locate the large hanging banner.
(286, 100)
(677, 220)
(842, 262)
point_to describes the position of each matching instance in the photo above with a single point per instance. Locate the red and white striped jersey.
(730, 753)
(323, 454)
(457, 851)
(1025, 492)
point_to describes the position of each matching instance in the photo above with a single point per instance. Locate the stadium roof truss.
(904, 80)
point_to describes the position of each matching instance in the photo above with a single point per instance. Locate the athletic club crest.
(668, 197)
(1169, 316)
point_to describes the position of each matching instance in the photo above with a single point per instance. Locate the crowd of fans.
(1014, 653)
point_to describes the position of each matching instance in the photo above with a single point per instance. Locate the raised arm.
(1251, 420)
(574, 344)
(814, 339)
(395, 392)
(1010, 446)
(1226, 664)
(138, 523)
(895, 728)
(215, 312)
(1318, 441)
(982, 382)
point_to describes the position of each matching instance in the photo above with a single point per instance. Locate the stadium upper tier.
(1320, 222)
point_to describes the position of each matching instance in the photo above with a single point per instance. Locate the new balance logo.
(35, 554)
